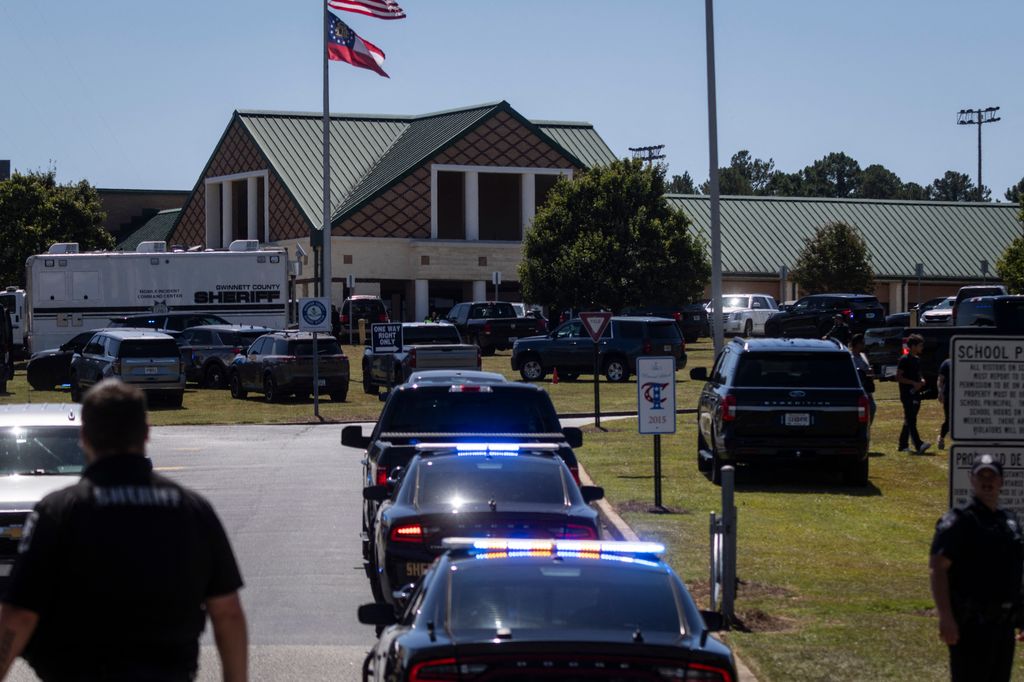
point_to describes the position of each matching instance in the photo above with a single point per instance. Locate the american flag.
(382, 9)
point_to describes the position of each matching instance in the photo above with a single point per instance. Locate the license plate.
(152, 370)
(798, 419)
(667, 349)
(416, 569)
(321, 383)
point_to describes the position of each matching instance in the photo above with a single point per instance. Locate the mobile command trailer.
(69, 292)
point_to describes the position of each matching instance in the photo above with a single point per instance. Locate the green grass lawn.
(834, 582)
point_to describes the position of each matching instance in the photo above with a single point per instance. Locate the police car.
(472, 489)
(501, 609)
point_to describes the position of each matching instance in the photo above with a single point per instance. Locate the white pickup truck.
(425, 346)
(746, 314)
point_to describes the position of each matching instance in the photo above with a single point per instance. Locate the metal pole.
(597, 393)
(657, 470)
(979, 157)
(325, 271)
(728, 543)
(716, 237)
(316, 379)
(713, 577)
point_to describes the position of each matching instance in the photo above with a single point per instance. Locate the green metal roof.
(156, 229)
(370, 153)
(951, 239)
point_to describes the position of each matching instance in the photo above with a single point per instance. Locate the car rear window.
(50, 449)
(664, 331)
(735, 302)
(796, 370)
(525, 479)
(367, 309)
(304, 347)
(439, 410)
(491, 310)
(432, 334)
(148, 348)
(976, 312)
(862, 302)
(531, 595)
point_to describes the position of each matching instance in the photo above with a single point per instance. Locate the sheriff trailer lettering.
(240, 293)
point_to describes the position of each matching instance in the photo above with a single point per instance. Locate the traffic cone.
(554, 375)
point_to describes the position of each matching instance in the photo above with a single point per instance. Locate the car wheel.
(270, 393)
(3, 386)
(716, 467)
(616, 370)
(235, 382)
(213, 375)
(531, 369)
(748, 328)
(486, 350)
(339, 395)
(856, 473)
(76, 390)
(176, 399)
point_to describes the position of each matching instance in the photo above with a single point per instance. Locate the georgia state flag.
(345, 46)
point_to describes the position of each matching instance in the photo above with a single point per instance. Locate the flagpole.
(325, 250)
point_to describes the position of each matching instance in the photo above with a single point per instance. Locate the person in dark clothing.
(840, 330)
(116, 575)
(975, 571)
(908, 376)
(942, 383)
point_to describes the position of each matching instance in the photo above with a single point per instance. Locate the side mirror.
(573, 436)
(376, 493)
(377, 614)
(592, 493)
(713, 620)
(699, 373)
(352, 436)
(401, 596)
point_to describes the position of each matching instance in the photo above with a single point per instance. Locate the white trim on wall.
(220, 181)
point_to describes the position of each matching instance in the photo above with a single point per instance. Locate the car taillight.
(575, 471)
(677, 316)
(863, 410)
(382, 317)
(729, 408)
(344, 319)
(382, 475)
(237, 350)
(847, 313)
(488, 328)
(115, 367)
(577, 532)
(647, 346)
(412, 358)
(906, 349)
(693, 672)
(439, 669)
(410, 532)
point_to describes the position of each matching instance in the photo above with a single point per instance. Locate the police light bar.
(495, 449)
(470, 388)
(617, 547)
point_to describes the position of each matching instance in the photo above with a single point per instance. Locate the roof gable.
(156, 229)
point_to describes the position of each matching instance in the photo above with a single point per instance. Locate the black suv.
(281, 363)
(209, 349)
(570, 349)
(813, 316)
(771, 400)
(692, 318)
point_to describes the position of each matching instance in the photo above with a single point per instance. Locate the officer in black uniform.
(116, 575)
(840, 330)
(976, 571)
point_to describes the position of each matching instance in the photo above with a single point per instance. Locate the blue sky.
(135, 94)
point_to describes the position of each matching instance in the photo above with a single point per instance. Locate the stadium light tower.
(966, 117)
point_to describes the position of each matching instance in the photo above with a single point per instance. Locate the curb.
(621, 530)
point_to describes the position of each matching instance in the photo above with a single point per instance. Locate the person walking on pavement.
(840, 330)
(116, 575)
(942, 384)
(908, 376)
(975, 571)
(867, 376)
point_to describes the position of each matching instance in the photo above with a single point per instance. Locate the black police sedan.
(506, 609)
(478, 490)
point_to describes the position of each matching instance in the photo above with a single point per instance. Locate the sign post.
(351, 282)
(596, 324)
(656, 406)
(315, 316)
(496, 279)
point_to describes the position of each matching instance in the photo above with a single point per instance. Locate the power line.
(966, 117)
(648, 154)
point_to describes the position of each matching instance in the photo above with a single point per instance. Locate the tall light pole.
(966, 117)
(717, 333)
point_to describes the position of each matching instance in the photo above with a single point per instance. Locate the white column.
(252, 204)
(227, 228)
(528, 188)
(472, 194)
(213, 214)
(480, 290)
(895, 304)
(420, 302)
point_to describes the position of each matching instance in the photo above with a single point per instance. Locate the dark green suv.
(281, 364)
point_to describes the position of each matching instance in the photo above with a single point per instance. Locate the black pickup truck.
(885, 345)
(462, 412)
(425, 346)
(492, 325)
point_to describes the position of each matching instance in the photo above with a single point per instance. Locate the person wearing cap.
(840, 330)
(117, 574)
(908, 376)
(975, 570)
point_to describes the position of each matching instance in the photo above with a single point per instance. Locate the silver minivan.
(149, 360)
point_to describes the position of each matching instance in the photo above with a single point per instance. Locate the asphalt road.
(289, 497)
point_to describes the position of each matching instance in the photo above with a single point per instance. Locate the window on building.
(501, 215)
(451, 205)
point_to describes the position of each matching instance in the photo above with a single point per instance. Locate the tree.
(836, 175)
(1016, 193)
(36, 212)
(681, 184)
(745, 175)
(1010, 266)
(609, 239)
(955, 186)
(835, 258)
(785, 185)
(913, 191)
(878, 182)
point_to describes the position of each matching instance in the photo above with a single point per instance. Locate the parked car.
(973, 291)
(691, 318)
(746, 314)
(546, 610)
(941, 313)
(370, 309)
(767, 401)
(208, 350)
(571, 350)
(39, 454)
(172, 323)
(147, 359)
(813, 316)
(492, 325)
(52, 367)
(472, 490)
(281, 364)
(424, 346)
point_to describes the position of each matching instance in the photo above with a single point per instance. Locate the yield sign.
(595, 323)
